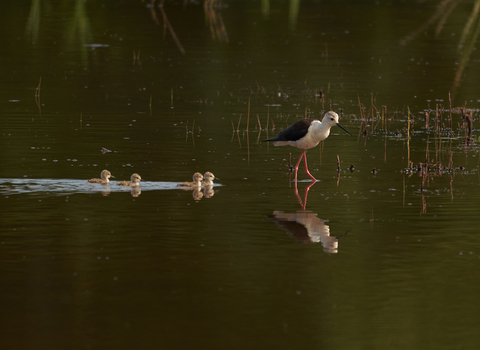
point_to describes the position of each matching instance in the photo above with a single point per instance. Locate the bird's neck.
(321, 129)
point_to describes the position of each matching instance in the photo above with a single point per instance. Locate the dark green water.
(94, 267)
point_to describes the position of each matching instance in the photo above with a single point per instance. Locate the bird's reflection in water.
(197, 193)
(208, 191)
(135, 192)
(303, 203)
(306, 227)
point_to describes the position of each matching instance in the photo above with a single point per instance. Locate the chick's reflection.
(208, 191)
(135, 192)
(306, 227)
(197, 194)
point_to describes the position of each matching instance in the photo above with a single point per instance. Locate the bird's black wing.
(293, 228)
(294, 132)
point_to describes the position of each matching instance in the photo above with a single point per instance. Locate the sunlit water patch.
(71, 186)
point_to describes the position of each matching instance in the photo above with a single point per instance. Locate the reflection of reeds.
(80, 26)
(451, 186)
(467, 29)
(467, 44)
(268, 119)
(384, 121)
(470, 34)
(408, 137)
(215, 22)
(153, 13)
(338, 169)
(239, 120)
(442, 8)
(265, 7)
(450, 161)
(33, 22)
(248, 147)
(293, 11)
(248, 114)
(248, 137)
(467, 123)
(210, 3)
(237, 131)
(446, 11)
(37, 96)
(427, 117)
(442, 161)
(259, 129)
(363, 124)
(171, 30)
(191, 132)
(166, 25)
(424, 205)
(136, 58)
(450, 109)
(427, 156)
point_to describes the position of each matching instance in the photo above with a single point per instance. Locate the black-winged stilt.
(306, 134)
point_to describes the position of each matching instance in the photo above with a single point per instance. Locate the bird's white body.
(312, 134)
(306, 134)
(317, 132)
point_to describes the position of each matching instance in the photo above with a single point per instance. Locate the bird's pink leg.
(306, 168)
(298, 163)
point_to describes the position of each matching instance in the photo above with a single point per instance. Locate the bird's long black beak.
(344, 129)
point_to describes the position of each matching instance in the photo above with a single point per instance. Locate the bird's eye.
(331, 119)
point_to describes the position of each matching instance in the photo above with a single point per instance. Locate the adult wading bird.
(306, 134)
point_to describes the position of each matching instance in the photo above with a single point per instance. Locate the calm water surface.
(380, 259)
